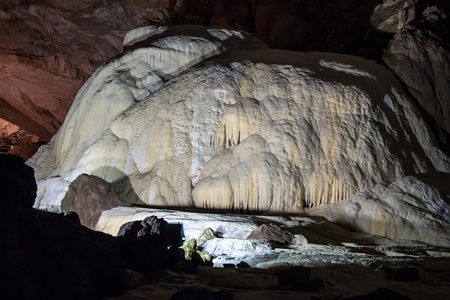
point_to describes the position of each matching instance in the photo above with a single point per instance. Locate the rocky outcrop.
(17, 183)
(145, 244)
(63, 43)
(14, 140)
(89, 196)
(419, 55)
(247, 128)
(47, 256)
(411, 208)
(49, 48)
(50, 256)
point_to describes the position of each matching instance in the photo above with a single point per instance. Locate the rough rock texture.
(272, 233)
(249, 129)
(385, 16)
(49, 48)
(411, 208)
(89, 196)
(235, 247)
(15, 140)
(145, 244)
(419, 56)
(17, 183)
(62, 42)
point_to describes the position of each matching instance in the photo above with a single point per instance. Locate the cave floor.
(343, 263)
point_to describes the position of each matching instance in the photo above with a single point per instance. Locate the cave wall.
(49, 48)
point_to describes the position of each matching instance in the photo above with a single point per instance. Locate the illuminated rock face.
(411, 208)
(212, 118)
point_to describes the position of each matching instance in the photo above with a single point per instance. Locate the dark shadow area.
(328, 26)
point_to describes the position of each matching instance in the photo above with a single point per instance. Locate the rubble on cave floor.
(340, 263)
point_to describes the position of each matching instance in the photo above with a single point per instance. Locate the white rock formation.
(410, 209)
(246, 128)
(225, 226)
(235, 247)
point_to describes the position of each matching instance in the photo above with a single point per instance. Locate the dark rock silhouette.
(202, 293)
(383, 293)
(145, 244)
(294, 275)
(45, 255)
(17, 183)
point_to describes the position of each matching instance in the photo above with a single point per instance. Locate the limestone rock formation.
(62, 43)
(411, 208)
(49, 48)
(385, 16)
(89, 196)
(236, 247)
(419, 55)
(229, 124)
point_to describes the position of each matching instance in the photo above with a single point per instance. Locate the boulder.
(145, 244)
(17, 183)
(51, 256)
(385, 16)
(89, 196)
(272, 233)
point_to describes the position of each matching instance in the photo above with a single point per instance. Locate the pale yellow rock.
(256, 130)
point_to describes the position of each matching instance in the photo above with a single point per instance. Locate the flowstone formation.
(209, 117)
